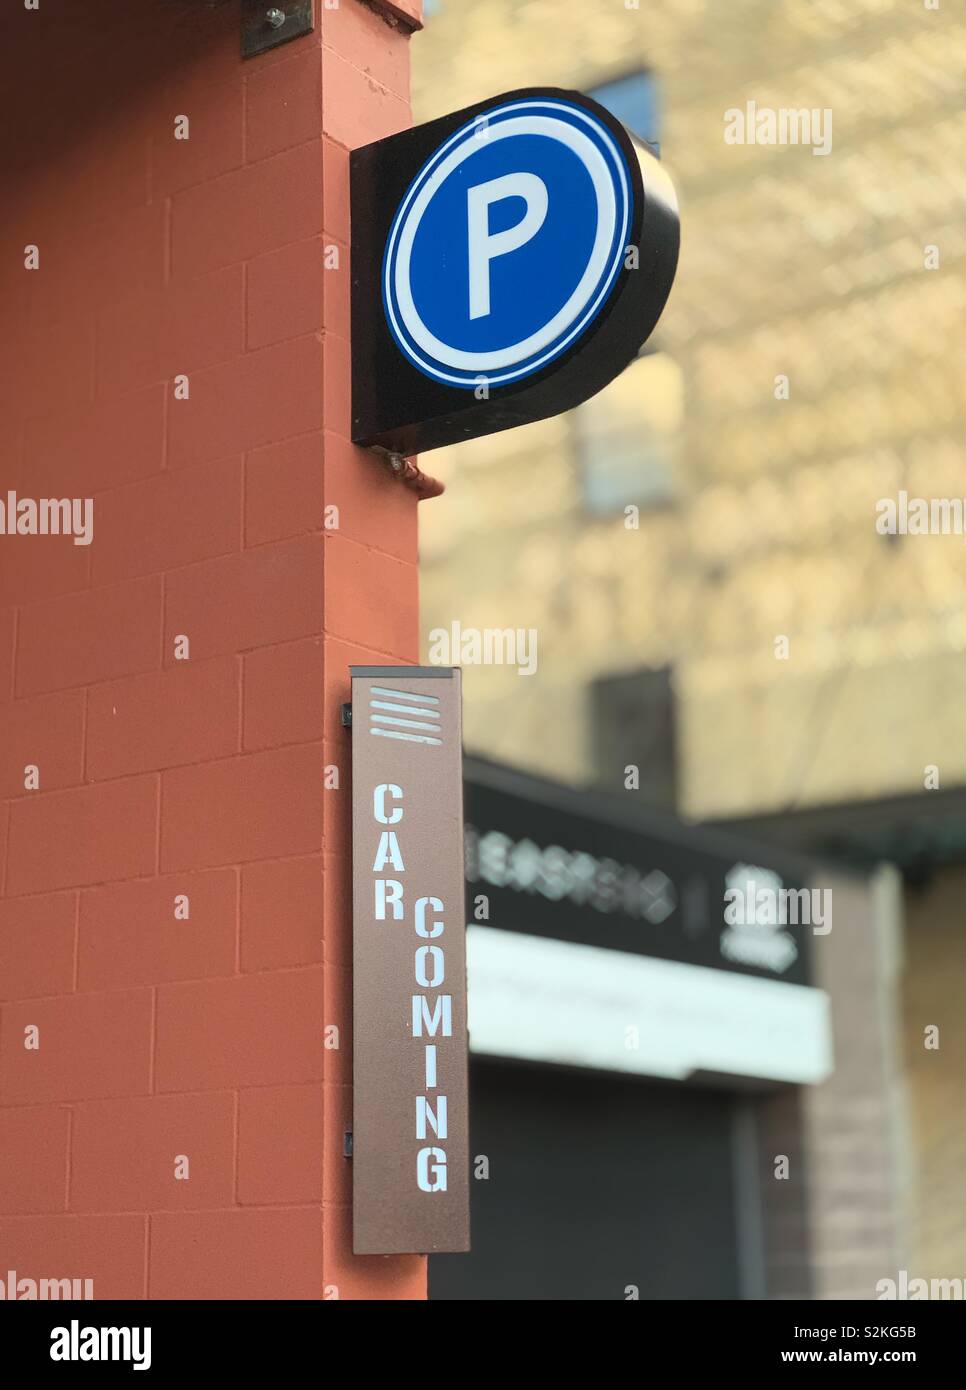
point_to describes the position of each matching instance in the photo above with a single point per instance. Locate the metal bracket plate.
(265, 25)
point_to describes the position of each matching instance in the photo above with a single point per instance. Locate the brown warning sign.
(410, 1153)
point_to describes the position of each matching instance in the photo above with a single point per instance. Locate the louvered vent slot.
(400, 714)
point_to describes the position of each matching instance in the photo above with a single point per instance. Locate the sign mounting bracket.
(264, 26)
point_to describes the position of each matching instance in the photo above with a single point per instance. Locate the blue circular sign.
(507, 243)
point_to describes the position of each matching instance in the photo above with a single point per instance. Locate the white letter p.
(483, 247)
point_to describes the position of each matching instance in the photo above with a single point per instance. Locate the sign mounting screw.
(275, 17)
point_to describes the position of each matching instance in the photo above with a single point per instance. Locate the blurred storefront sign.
(622, 940)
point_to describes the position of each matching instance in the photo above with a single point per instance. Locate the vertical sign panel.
(410, 1156)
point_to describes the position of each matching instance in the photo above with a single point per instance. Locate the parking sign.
(508, 261)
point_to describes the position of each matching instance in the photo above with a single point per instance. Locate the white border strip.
(543, 1000)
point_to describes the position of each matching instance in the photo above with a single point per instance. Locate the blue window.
(628, 437)
(634, 100)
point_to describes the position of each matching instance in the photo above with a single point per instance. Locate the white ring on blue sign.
(604, 162)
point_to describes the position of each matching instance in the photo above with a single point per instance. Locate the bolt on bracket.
(265, 26)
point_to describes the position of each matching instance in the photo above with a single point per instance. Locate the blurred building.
(697, 549)
(658, 1108)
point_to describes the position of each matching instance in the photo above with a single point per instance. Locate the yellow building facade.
(713, 514)
(809, 364)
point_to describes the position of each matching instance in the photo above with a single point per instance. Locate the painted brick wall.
(835, 1225)
(163, 779)
(935, 1063)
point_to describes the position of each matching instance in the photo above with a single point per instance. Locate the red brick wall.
(159, 777)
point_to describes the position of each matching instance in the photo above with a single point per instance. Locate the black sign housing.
(398, 408)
